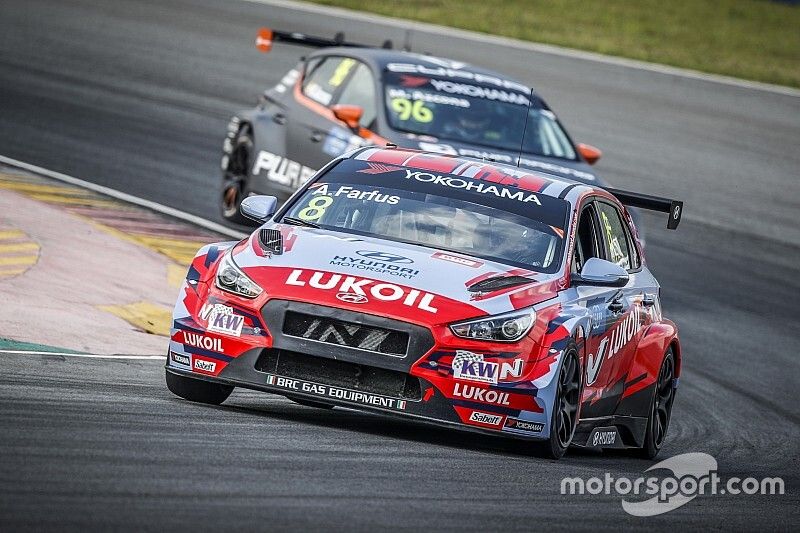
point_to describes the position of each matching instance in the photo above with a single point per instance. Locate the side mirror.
(259, 208)
(349, 114)
(601, 272)
(589, 153)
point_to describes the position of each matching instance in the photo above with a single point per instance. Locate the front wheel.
(660, 408)
(197, 390)
(564, 418)
(236, 177)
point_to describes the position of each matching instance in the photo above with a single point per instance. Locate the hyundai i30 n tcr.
(465, 294)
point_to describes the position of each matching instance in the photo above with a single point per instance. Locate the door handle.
(648, 300)
(316, 136)
(279, 118)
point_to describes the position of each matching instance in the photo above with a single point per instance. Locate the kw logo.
(221, 319)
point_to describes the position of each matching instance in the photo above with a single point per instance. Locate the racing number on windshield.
(617, 255)
(416, 109)
(316, 208)
(341, 72)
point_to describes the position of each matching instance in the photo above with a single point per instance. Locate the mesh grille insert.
(350, 334)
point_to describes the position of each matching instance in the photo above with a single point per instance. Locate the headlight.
(229, 278)
(509, 327)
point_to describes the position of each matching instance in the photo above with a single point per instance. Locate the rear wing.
(653, 203)
(267, 36)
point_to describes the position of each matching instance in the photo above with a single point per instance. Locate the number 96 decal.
(415, 110)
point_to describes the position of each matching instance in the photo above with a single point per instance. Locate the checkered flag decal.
(463, 356)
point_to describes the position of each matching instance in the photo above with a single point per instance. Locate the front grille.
(352, 376)
(353, 335)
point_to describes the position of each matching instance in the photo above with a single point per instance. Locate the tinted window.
(360, 91)
(466, 111)
(586, 245)
(615, 235)
(323, 77)
(455, 213)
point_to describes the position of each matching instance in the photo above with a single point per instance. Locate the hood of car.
(387, 278)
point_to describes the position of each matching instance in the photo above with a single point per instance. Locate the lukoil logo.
(692, 474)
(201, 341)
(385, 292)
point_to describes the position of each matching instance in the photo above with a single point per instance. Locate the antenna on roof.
(525, 128)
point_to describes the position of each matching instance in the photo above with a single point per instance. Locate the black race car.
(346, 95)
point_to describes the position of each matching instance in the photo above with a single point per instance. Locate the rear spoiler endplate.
(652, 203)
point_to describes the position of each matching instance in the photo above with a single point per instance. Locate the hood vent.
(271, 241)
(499, 282)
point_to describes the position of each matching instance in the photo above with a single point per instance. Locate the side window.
(615, 235)
(360, 91)
(323, 77)
(586, 243)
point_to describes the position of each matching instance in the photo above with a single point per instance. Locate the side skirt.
(616, 431)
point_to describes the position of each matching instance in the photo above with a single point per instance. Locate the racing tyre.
(236, 177)
(311, 403)
(197, 390)
(660, 409)
(564, 417)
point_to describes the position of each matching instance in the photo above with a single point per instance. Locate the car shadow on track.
(386, 426)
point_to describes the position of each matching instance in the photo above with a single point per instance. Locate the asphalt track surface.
(136, 95)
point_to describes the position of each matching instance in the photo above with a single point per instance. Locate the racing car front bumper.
(414, 384)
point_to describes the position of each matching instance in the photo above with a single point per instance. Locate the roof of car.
(379, 58)
(392, 158)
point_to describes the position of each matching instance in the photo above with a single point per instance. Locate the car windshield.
(464, 111)
(446, 212)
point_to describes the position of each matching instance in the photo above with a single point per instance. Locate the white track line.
(85, 355)
(119, 195)
(527, 45)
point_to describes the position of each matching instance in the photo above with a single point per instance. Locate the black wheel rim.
(236, 176)
(568, 397)
(662, 405)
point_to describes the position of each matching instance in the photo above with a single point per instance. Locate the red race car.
(453, 291)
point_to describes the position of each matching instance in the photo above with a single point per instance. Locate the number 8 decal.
(316, 208)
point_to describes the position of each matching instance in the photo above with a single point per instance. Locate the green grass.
(751, 39)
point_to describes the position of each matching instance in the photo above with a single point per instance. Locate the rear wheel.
(198, 390)
(660, 409)
(236, 177)
(564, 417)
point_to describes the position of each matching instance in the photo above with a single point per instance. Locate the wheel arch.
(646, 365)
